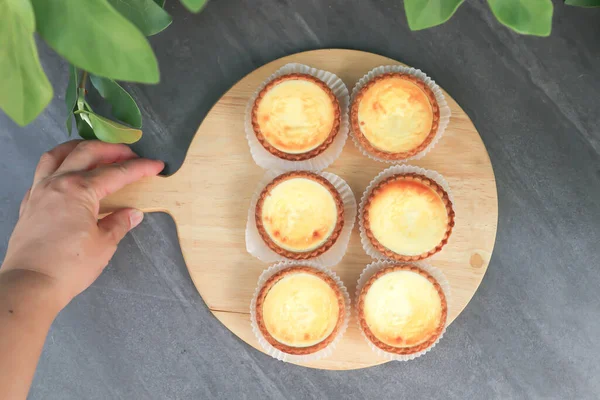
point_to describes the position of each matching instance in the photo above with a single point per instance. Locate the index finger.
(52, 159)
(108, 179)
(91, 153)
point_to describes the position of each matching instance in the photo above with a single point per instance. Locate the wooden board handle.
(147, 195)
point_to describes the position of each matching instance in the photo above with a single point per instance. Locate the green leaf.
(71, 95)
(92, 35)
(111, 131)
(84, 129)
(530, 17)
(194, 5)
(123, 105)
(583, 3)
(24, 87)
(148, 16)
(160, 2)
(422, 14)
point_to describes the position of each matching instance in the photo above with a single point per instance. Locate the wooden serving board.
(210, 194)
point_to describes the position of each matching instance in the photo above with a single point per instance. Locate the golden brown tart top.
(300, 310)
(402, 309)
(296, 117)
(408, 217)
(395, 116)
(300, 215)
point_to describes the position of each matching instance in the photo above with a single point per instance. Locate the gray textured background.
(531, 331)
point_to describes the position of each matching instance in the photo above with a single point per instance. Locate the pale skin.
(60, 246)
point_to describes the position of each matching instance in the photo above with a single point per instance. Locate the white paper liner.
(256, 246)
(393, 170)
(375, 266)
(439, 97)
(266, 160)
(278, 354)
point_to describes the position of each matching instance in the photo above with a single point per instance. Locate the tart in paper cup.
(299, 311)
(402, 308)
(397, 114)
(406, 214)
(300, 215)
(298, 119)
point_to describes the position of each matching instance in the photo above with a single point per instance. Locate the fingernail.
(135, 218)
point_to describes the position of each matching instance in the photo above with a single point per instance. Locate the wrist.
(29, 295)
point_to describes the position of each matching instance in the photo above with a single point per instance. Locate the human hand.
(58, 239)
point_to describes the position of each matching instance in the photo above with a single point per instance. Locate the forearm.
(27, 309)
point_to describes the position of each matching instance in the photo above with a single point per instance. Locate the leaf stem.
(84, 76)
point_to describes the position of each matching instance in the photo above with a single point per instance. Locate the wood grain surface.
(208, 198)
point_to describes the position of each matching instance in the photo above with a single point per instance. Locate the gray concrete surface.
(531, 331)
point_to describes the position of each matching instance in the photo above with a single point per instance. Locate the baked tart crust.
(308, 154)
(419, 179)
(331, 238)
(405, 350)
(367, 145)
(264, 291)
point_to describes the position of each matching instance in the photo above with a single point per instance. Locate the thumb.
(117, 224)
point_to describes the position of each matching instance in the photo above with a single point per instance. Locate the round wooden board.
(210, 194)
